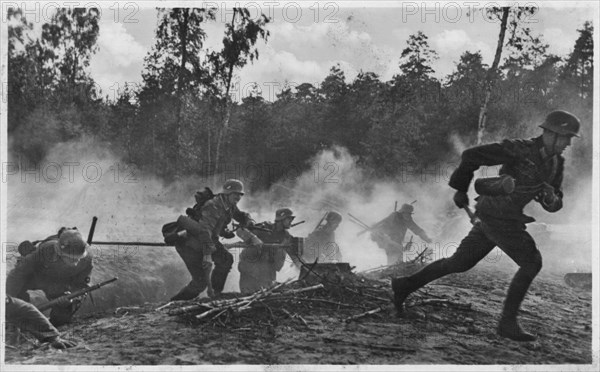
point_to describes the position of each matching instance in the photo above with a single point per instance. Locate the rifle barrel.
(75, 294)
(149, 244)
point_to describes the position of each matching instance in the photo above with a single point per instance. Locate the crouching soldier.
(27, 318)
(199, 245)
(57, 266)
(321, 242)
(259, 265)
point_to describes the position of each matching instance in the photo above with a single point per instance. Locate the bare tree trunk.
(490, 75)
(183, 30)
(227, 106)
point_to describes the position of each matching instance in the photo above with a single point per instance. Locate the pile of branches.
(353, 298)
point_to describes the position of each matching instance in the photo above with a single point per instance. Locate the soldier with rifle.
(531, 170)
(27, 318)
(259, 264)
(57, 266)
(389, 233)
(321, 242)
(197, 240)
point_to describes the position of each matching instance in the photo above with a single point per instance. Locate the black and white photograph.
(299, 185)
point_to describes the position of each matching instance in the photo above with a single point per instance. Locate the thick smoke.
(80, 180)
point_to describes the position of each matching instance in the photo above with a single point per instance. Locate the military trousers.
(511, 238)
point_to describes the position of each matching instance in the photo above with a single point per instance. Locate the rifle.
(75, 294)
(92, 230)
(321, 221)
(297, 223)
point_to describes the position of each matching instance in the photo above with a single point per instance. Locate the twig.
(164, 306)
(327, 302)
(361, 315)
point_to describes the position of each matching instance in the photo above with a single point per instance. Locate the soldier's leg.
(28, 318)
(472, 249)
(194, 262)
(223, 262)
(521, 248)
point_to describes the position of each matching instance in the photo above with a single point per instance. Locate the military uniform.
(202, 239)
(45, 270)
(502, 219)
(259, 265)
(28, 318)
(395, 227)
(321, 244)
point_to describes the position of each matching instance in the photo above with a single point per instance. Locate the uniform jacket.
(271, 258)
(526, 162)
(396, 224)
(43, 269)
(215, 216)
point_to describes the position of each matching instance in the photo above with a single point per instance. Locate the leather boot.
(508, 326)
(404, 286)
(185, 294)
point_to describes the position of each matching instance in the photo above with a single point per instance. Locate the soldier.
(28, 318)
(389, 233)
(259, 265)
(321, 242)
(57, 266)
(536, 166)
(200, 245)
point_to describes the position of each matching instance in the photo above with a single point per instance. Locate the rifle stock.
(75, 294)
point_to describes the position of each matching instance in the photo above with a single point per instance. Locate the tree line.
(182, 121)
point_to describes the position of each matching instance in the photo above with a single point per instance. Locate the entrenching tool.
(474, 219)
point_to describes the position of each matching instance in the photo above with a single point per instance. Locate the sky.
(308, 38)
(305, 43)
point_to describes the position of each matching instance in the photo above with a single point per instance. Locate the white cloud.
(114, 41)
(450, 41)
(560, 43)
(119, 58)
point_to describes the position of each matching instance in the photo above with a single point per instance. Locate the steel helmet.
(562, 122)
(333, 217)
(71, 244)
(406, 208)
(283, 213)
(233, 185)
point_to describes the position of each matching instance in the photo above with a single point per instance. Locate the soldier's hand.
(461, 199)
(63, 300)
(61, 343)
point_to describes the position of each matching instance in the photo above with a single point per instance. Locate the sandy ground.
(561, 316)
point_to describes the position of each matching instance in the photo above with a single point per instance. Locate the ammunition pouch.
(495, 186)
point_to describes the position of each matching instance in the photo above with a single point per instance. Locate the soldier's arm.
(82, 278)
(242, 217)
(412, 226)
(19, 276)
(199, 229)
(475, 157)
(551, 200)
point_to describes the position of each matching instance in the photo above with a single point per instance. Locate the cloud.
(121, 46)
(559, 42)
(451, 44)
(119, 58)
(449, 41)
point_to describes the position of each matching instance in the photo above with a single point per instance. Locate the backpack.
(170, 230)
